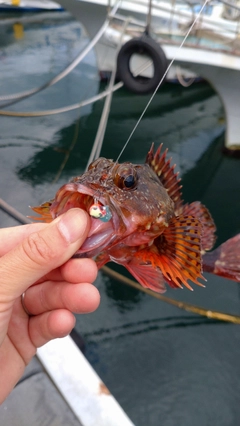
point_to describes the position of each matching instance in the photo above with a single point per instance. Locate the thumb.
(42, 251)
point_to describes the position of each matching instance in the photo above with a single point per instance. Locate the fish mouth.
(78, 195)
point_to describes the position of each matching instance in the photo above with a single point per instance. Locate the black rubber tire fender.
(144, 45)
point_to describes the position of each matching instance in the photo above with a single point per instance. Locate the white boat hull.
(28, 5)
(220, 67)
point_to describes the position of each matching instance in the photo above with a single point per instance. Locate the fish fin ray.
(145, 271)
(224, 260)
(179, 249)
(170, 180)
(102, 259)
(44, 211)
(201, 212)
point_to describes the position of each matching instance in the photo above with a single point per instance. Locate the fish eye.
(125, 177)
(129, 181)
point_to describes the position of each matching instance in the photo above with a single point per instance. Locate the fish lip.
(97, 238)
(97, 196)
(82, 189)
(85, 190)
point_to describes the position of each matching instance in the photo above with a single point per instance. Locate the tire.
(144, 45)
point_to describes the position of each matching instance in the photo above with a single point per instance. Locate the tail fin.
(224, 260)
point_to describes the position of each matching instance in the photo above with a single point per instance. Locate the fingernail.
(72, 225)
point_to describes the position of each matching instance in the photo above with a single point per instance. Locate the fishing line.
(162, 79)
(97, 145)
(103, 212)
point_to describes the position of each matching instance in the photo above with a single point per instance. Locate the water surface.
(165, 366)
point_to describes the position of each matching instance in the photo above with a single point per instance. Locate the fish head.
(138, 203)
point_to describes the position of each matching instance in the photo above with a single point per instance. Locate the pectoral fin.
(143, 268)
(200, 212)
(179, 252)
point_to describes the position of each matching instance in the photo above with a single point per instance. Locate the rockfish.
(139, 220)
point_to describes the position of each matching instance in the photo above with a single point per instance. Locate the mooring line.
(14, 98)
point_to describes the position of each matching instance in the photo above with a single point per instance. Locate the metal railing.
(218, 27)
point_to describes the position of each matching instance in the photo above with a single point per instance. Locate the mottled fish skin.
(107, 181)
(140, 205)
(152, 233)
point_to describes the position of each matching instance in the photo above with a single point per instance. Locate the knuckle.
(37, 249)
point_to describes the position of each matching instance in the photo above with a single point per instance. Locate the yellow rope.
(221, 316)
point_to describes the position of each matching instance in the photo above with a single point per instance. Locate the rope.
(97, 146)
(221, 316)
(184, 83)
(13, 212)
(22, 219)
(63, 109)
(12, 99)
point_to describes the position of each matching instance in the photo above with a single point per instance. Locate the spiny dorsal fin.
(162, 167)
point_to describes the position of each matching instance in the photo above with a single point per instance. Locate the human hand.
(36, 260)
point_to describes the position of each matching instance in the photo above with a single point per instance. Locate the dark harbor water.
(165, 366)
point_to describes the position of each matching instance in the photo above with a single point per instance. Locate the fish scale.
(148, 229)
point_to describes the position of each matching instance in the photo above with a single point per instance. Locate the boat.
(211, 51)
(80, 387)
(28, 5)
(59, 383)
